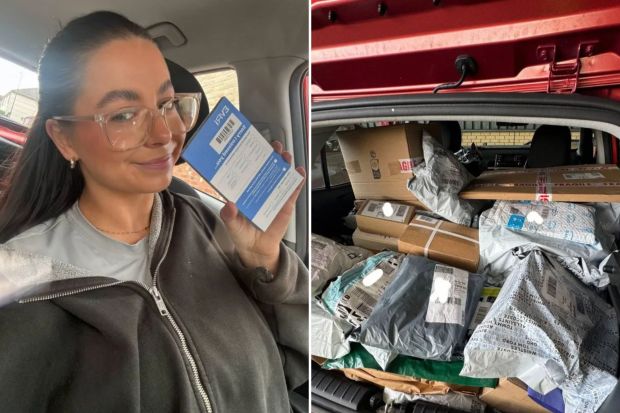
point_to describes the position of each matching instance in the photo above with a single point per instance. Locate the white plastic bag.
(455, 400)
(328, 333)
(549, 330)
(501, 249)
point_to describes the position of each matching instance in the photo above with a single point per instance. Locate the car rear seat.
(184, 81)
(451, 137)
(550, 147)
(586, 147)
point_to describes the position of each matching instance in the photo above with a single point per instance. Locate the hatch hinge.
(564, 77)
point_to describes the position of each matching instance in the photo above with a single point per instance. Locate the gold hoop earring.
(72, 163)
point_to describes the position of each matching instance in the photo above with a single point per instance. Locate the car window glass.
(19, 93)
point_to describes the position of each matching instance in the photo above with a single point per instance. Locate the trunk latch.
(564, 77)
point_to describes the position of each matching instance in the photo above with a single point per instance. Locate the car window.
(19, 93)
(484, 133)
(331, 157)
(215, 84)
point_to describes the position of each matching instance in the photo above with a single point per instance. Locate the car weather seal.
(300, 154)
(537, 105)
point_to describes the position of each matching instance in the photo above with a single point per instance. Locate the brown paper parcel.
(442, 241)
(371, 218)
(379, 161)
(406, 384)
(576, 183)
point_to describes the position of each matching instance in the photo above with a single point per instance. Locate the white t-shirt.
(71, 239)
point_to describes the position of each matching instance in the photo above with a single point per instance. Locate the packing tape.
(543, 187)
(521, 171)
(432, 236)
(534, 184)
(436, 230)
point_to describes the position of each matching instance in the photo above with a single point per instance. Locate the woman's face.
(124, 73)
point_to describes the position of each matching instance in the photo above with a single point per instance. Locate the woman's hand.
(255, 247)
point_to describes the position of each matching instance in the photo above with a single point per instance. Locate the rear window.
(504, 134)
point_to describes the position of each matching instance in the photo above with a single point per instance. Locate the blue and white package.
(232, 156)
(560, 220)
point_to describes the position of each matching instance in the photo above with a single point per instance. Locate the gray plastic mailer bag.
(549, 330)
(425, 311)
(330, 259)
(353, 295)
(501, 248)
(439, 180)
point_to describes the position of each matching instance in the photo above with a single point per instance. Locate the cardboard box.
(510, 396)
(384, 217)
(576, 183)
(442, 241)
(374, 242)
(380, 160)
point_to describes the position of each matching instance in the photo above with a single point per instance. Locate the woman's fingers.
(277, 146)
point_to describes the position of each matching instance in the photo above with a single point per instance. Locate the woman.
(128, 297)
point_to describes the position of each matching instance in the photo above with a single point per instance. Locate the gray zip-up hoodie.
(208, 335)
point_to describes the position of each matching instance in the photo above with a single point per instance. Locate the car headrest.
(451, 135)
(550, 147)
(184, 81)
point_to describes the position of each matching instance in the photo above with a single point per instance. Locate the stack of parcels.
(401, 321)
(512, 291)
(408, 231)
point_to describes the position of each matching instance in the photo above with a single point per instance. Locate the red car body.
(366, 48)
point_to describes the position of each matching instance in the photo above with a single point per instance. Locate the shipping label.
(448, 296)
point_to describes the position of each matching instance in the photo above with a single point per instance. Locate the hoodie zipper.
(163, 311)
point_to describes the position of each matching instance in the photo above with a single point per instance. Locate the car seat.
(184, 81)
(550, 147)
(451, 137)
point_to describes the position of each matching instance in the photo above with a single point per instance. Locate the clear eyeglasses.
(129, 128)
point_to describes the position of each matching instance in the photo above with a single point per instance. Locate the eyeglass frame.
(101, 120)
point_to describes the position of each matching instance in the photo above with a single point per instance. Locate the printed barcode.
(372, 207)
(454, 300)
(401, 211)
(580, 306)
(226, 131)
(480, 314)
(364, 309)
(425, 219)
(363, 296)
(445, 270)
(552, 286)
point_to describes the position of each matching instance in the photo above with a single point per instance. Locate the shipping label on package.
(240, 164)
(448, 296)
(583, 175)
(357, 303)
(386, 210)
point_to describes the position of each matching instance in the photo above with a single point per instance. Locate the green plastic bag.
(445, 371)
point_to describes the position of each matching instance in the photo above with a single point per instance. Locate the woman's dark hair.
(40, 185)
